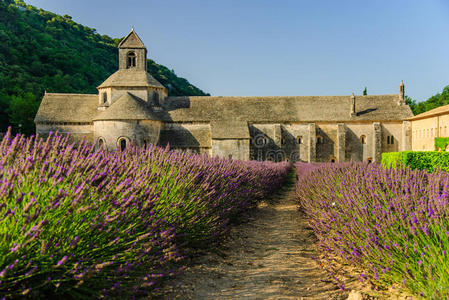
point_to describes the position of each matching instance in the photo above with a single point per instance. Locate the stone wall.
(77, 132)
(356, 150)
(232, 148)
(424, 131)
(190, 136)
(137, 132)
(141, 58)
(295, 141)
(394, 131)
(326, 145)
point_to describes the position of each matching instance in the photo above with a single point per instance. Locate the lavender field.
(78, 222)
(393, 225)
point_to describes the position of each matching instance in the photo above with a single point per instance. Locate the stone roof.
(132, 40)
(286, 109)
(229, 129)
(67, 108)
(127, 107)
(131, 78)
(434, 112)
(179, 136)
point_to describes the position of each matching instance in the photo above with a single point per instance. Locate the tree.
(21, 111)
(365, 92)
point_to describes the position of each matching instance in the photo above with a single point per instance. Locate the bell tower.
(132, 53)
(131, 76)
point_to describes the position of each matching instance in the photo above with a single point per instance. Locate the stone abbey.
(133, 107)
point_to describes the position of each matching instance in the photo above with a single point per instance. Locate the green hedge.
(422, 160)
(441, 142)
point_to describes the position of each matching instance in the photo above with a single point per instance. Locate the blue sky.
(284, 47)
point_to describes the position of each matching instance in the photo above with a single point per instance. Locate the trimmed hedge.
(441, 142)
(421, 160)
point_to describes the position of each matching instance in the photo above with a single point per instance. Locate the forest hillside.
(42, 51)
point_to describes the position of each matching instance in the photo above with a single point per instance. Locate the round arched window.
(131, 60)
(101, 143)
(122, 144)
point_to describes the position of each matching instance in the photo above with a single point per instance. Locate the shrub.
(421, 160)
(83, 223)
(393, 224)
(441, 143)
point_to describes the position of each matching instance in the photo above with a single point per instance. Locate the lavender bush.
(82, 223)
(393, 224)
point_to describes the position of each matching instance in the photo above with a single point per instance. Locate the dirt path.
(270, 257)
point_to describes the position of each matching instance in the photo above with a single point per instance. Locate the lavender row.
(392, 224)
(83, 223)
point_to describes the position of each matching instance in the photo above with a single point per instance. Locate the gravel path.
(270, 257)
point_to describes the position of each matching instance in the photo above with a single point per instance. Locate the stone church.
(133, 107)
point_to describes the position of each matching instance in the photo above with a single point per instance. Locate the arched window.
(104, 97)
(319, 139)
(282, 141)
(131, 60)
(388, 139)
(363, 139)
(101, 143)
(299, 139)
(122, 143)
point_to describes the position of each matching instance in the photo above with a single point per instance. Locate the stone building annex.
(132, 107)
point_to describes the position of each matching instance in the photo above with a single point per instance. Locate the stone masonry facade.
(133, 107)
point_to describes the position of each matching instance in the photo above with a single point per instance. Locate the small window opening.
(299, 139)
(332, 160)
(282, 141)
(122, 144)
(131, 60)
(319, 140)
(105, 97)
(156, 98)
(390, 140)
(363, 139)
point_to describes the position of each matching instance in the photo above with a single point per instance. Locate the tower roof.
(132, 40)
(127, 107)
(131, 78)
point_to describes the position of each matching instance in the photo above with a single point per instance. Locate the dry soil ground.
(269, 257)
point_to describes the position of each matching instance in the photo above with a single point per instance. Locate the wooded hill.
(42, 51)
(435, 101)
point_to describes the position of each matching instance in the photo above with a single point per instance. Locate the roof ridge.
(51, 94)
(284, 97)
